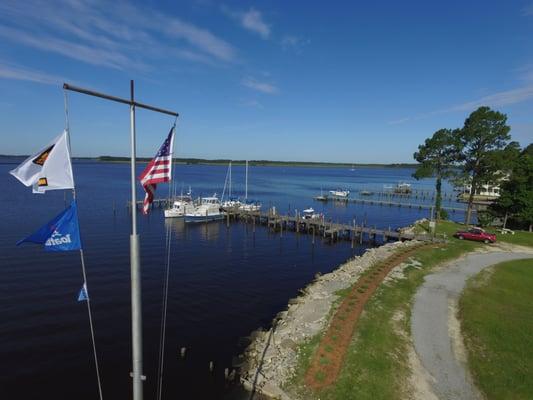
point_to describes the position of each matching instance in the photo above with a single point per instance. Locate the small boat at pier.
(309, 213)
(340, 194)
(180, 206)
(208, 210)
(403, 187)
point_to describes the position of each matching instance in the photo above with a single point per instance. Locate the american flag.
(157, 171)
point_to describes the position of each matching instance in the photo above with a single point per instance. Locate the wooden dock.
(321, 228)
(389, 203)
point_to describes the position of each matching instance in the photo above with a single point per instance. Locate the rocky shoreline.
(272, 356)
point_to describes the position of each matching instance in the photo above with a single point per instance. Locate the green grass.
(448, 228)
(376, 365)
(496, 310)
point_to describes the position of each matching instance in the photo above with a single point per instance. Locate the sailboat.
(230, 202)
(249, 205)
(353, 168)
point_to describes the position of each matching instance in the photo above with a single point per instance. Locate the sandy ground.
(438, 362)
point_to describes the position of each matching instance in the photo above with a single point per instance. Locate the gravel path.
(436, 330)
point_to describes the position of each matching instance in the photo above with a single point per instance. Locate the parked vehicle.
(477, 234)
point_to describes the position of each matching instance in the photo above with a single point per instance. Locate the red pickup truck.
(476, 234)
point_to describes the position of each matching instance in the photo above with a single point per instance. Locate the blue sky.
(279, 80)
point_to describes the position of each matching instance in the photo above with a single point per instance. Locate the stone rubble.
(271, 358)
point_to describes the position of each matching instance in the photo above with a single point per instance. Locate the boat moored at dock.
(208, 210)
(180, 207)
(340, 194)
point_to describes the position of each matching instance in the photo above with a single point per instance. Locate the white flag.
(49, 169)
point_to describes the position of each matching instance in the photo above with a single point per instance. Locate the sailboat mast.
(246, 185)
(229, 181)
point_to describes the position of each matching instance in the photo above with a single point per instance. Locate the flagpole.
(84, 273)
(135, 265)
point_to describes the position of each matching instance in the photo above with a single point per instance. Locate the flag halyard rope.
(83, 269)
(164, 308)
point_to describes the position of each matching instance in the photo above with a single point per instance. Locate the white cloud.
(262, 87)
(295, 43)
(17, 72)
(528, 10)
(115, 35)
(252, 104)
(498, 99)
(251, 20)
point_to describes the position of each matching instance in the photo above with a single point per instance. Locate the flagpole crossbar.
(129, 102)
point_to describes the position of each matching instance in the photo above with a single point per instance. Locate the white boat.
(340, 193)
(181, 205)
(250, 205)
(179, 208)
(208, 210)
(403, 187)
(309, 213)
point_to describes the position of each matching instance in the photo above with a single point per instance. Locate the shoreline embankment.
(270, 361)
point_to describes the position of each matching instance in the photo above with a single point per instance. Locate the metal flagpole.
(135, 263)
(135, 266)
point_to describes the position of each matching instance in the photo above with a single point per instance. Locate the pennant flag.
(83, 295)
(60, 234)
(49, 169)
(157, 171)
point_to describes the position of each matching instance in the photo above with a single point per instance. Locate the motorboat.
(343, 194)
(180, 207)
(250, 205)
(402, 187)
(232, 203)
(309, 213)
(208, 210)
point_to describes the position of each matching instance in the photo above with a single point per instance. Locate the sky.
(355, 82)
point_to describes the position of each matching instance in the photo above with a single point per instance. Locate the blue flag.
(60, 234)
(83, 295)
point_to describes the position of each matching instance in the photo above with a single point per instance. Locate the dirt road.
(436, 329)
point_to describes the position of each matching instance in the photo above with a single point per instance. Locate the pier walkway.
(389, 203)
(317, 227)
(321, 227)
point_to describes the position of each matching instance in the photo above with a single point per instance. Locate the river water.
(224, 283)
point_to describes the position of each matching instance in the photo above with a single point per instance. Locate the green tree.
(437, 157)
(516, 197)
(484, 136)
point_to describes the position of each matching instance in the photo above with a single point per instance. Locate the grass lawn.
(497, 322)
(448, 228)
(376, 364)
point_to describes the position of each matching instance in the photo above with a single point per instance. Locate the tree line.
(479, 153)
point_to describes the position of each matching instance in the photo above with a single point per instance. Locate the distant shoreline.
(266, 163)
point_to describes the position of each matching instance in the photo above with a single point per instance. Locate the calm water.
(224, 283)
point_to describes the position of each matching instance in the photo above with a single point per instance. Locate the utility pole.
(135, 261)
